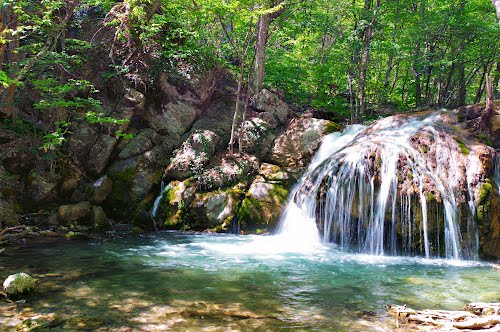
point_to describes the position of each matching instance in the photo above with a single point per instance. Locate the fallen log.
(477, 316)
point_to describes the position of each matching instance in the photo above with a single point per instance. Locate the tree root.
(477, 316)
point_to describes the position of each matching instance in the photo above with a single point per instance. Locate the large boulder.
(42, 187)
(266, 198)
(139, 144)
(173, 119)
(215, 210)
(99, 190)
(193, 155)
(228, 171)
(75, 213)
(296, 146)
(100, 153)
(98, 219)
(18, 284)
(176, 199)
(256, 136)
(133, 179)
(266, 101)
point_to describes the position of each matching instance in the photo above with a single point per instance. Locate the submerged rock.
(18, 284)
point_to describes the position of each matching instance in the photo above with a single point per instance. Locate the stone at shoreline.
(18, 284)
(75, 213)
(266, 198)
(98, 219)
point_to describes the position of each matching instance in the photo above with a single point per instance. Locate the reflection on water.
(201, 282)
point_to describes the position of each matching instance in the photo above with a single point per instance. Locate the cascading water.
(156, 205)
(380, 190)
(496, 176)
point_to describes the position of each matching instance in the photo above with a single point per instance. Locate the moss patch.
(463, 148)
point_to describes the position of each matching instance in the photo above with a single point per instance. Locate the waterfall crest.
(398, 186)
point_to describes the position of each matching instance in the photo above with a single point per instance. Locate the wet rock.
(215, 209)
(18, 284)
(193, 155)
(72, 235)
(266, 198)
(266, 101)
(175, 200)
(143, 221)
(296, 146)
(100, 189)
(75, 213)
(98, 219)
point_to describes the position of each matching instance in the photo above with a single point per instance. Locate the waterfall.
(496, 176)
(156, 205)
(390, 188)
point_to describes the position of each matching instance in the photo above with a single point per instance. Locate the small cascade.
(496, 176)
(395, 187)
(156, 205)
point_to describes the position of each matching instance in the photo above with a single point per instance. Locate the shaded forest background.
(352, 59)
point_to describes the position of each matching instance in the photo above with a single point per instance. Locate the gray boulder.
(98, 219)
(266, 101)
(193, 155)
(174, 119)
(296, 146)
(75, 213)
(100, 189)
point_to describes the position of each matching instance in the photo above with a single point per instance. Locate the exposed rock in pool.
(18, 284)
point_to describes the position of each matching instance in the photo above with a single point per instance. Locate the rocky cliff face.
(180, 128)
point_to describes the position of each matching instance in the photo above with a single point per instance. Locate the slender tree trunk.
(479, 92)
(496, 79)
(391, 54)
(484, 122)
(236, 115)
(260, 52)
(417, 62)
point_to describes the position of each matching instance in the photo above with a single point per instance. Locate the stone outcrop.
(193, 155)
(75, 213)
(266, 198)
(296, 146)
(271, 103)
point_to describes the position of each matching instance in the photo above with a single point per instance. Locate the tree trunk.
(479, 92)
(484, 122)
(260, 52)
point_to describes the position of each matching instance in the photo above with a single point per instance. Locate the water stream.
(204, 282)
(371, 212)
